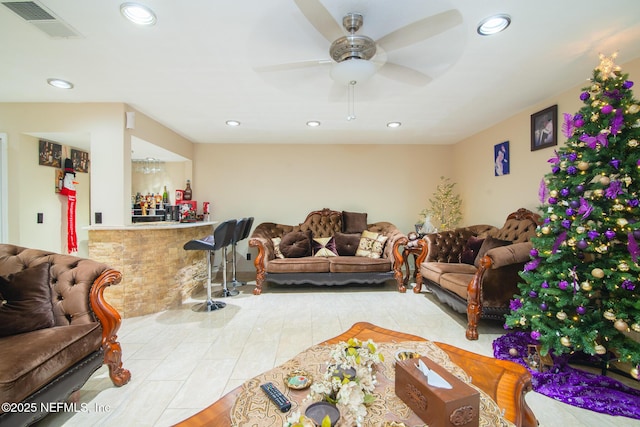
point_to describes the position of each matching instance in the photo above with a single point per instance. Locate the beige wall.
(283, 183)
(488, 198)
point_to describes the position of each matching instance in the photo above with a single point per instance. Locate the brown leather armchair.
(476, 269)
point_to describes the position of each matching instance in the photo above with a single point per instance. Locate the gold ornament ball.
(609, 315)
(514, 352)
(580, 229)
(600, 349)
(565, 341)
(561, 315)
(635, 327)
(583, 166)
(553, 193)
(586, 286)
(598, 192)
(605, 180)
(598, 273)
(553, 217)
(632, 143)
(621, 325)
(622, 222)
(634, 108)
(623, 266)
(545, 230)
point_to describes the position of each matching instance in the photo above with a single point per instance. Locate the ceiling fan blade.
(320, 18)
(421, 30)
(404, 74)
(293, 65)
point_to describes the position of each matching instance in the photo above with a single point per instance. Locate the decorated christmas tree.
(581, 287)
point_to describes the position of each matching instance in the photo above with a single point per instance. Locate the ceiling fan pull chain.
(351, 110)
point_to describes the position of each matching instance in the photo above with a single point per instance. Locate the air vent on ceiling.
(45, 20)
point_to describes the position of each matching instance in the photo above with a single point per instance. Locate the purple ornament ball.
(610, 234)
(607, 109)
(570, 212)
(581, 310)
(575, 204)
(582, 244)
(533, 294)
(579, 123)
(535, 335)
(563, 284)
(534, 252)
(564, 192)
(584, 96)
(627, 84)
(544, 284)
(579, 188)
(553, 200)
(636, 234)
(544, 306)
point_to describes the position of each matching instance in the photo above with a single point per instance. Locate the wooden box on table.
(437, 407)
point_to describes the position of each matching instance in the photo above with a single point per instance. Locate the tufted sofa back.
(519, 227)
(70, 279)
(324, 223)
(447, 246)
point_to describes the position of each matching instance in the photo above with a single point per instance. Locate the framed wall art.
(49, 153)
(80, 160)
(501, 158)
(544, 128)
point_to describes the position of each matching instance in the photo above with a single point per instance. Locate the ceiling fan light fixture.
(353, 70)
(138, 13)
(232, 123)
(394, 125)
(313, 123)
(494, 24)
(60, 84)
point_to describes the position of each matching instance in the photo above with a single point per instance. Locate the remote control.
(276, 396)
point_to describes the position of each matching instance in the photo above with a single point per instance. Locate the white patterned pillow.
(276, 247)
(371, 244)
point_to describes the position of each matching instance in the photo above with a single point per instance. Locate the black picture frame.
(49, 153)
(544, 128)
(80, 160)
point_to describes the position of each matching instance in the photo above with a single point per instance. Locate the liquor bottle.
(165, 196)
(187, 191)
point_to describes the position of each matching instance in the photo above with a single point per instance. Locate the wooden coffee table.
(505, 382)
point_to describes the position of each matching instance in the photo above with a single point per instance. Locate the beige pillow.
(371, 244)
(276, 247)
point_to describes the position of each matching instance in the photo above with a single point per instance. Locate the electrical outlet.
(40, 218)
(98, 217)
(248, 256)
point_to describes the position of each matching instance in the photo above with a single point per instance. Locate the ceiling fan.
(351, 48)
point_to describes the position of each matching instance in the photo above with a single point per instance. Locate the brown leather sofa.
(56, 329)
(476, 269)
(350, 239)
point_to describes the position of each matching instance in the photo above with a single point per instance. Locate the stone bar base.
(157, 273)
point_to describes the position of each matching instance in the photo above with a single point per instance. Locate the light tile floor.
(181, 361)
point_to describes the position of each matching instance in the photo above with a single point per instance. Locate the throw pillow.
(489, 243)
(324, 246)
(347, 244)
(354, 222)
(470, 250)
(371, 244)
(276, 247)
(27, 301)
(296, 244)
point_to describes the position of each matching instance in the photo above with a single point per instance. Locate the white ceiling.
(204, 63)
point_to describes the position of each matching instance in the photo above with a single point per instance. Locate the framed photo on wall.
(544, 128)
(80, 160)
(501, 158)
(49, 154)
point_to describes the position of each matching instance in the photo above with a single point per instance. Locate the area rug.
(569, 385)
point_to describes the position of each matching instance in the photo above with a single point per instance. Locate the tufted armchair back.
(519, 227)
(70, 278)
(447, 246)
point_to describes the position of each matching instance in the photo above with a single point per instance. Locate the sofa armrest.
(511, 254)
(110, 320)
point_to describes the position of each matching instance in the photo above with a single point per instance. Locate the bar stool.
(220, 239)
(243, 228)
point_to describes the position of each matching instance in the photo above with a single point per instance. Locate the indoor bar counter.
(157, 273)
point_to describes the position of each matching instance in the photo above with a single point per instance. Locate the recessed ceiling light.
(394, 124)
(233, 123)
(313, 123)
(60, 84)
(138, 14)
(493, 24)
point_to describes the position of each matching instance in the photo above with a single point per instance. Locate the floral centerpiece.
(350, 379)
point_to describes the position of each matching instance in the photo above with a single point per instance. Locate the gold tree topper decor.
(445, 206)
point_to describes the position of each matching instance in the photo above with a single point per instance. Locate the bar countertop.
(151, 225)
